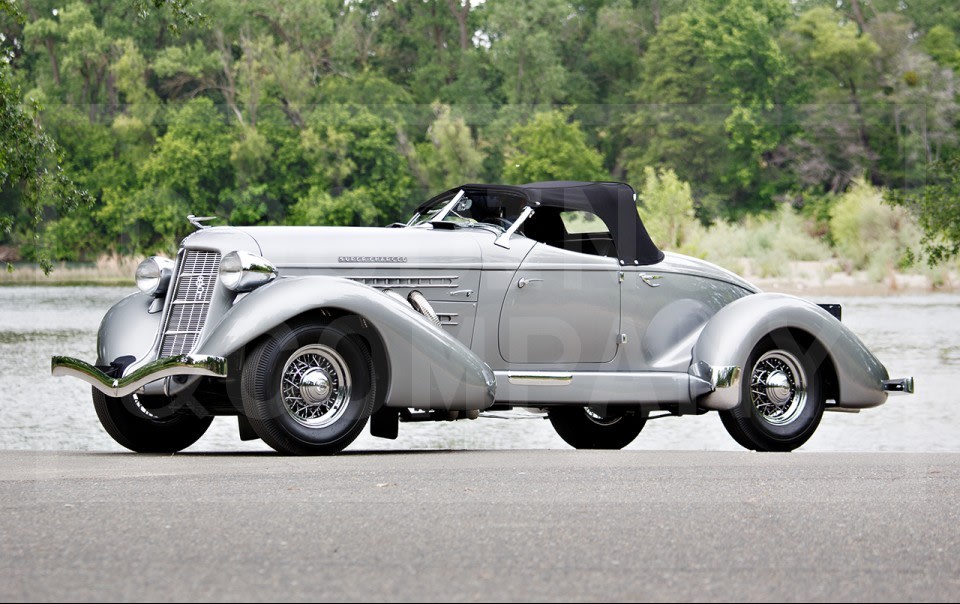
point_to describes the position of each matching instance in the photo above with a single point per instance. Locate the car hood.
(365, 246)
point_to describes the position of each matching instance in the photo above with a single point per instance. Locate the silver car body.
(522, 322)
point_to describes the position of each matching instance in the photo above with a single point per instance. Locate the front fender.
(730, 336)
(427, 368)
(128, 329)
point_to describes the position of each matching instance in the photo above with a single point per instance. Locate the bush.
(870, 235)
(770, 243)
(668, 204)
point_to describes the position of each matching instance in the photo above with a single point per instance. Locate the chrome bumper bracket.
(185, 364)
(904, 385)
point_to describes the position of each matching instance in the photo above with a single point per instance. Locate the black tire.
(330, 390)
(781, 396)
(133, 430)
(589, 428)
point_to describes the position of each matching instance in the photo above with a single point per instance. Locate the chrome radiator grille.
(191, 301)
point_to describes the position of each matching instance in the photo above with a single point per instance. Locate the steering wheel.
(500, 222)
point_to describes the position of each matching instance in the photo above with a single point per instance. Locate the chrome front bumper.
(186, 364)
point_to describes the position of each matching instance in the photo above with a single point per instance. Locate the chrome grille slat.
(192, 293)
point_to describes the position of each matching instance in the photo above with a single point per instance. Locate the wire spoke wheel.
(781, 395)
(309, 388)
(315, 386)
(778, 387)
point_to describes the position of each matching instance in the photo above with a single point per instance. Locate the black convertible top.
(613, 202)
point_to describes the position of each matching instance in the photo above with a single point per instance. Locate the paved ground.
(480, 525)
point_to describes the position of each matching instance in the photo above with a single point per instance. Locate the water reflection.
(912, 335)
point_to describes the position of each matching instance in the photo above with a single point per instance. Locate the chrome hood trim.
(187, 364)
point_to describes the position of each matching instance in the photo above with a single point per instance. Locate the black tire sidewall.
(143, 435)
(750, 429)
(263, 403)
(579, 431)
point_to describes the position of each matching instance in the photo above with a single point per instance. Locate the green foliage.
(765, 246)
(449, 156)
(869, 234)
(355, 150)
(318, 207)
(710, 104)
(324, 111)
(525, 48)
(668, 207)
(29, 160)
(937, 208)
(551, 147)
(941, 44)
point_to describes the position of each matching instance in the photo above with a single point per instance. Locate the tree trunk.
(655, 8)
(461, 11)
(113, 100)
(858, 15)
(54, 64)
(520, 77)
(862, 127)
(230, 88)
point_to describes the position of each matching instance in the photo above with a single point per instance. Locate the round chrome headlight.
(153, 275)
(243, 271)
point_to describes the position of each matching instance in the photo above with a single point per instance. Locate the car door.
(562, 305)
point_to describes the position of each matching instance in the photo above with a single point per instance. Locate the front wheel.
(308, 390)
(144, 425)
(781, 397)
(593, 428)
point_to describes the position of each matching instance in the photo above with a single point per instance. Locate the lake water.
(912, 335)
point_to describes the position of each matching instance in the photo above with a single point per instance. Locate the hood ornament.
(198, 221)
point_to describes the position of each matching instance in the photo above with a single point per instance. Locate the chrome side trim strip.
(540, 378)
(185, 364)
(417, 281)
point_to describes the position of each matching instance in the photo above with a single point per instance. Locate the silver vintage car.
(546, 296)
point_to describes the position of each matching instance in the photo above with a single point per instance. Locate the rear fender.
(724, 345)
(426, 367)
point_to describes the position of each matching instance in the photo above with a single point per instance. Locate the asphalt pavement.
(480, 525)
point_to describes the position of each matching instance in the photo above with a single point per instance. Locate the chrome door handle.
(462, 292)
(649, 279)
(524, 281)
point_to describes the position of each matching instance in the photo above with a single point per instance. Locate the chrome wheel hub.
(778, 387)
(600, 420)
(315, 386)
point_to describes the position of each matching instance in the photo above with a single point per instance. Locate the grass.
(107, 270)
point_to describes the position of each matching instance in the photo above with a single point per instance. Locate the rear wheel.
(143, 424)
(308, 390)
(781, 398)
(596, 428)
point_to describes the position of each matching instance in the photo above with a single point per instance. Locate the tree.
(551, 147)
(937, 208)
(449, 156)
(357, 152)
(30, 161)
(715, 86)
(525, 49)
(669, 207)
(29, 158)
